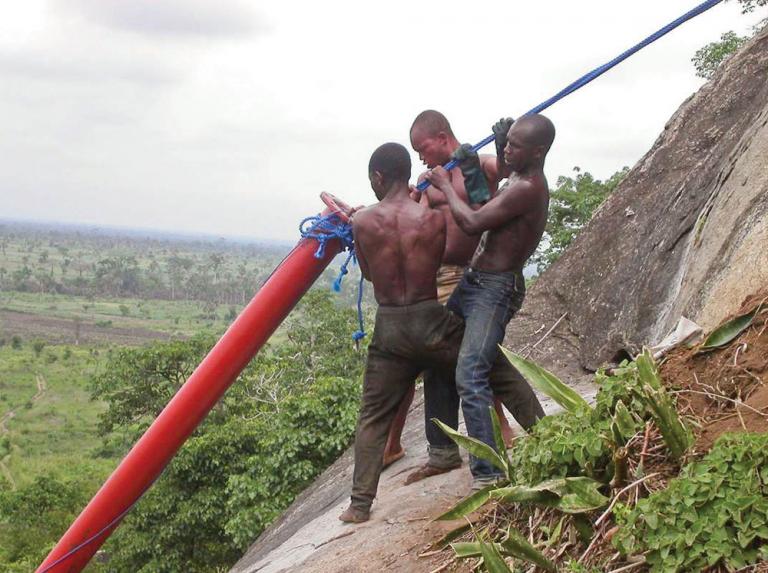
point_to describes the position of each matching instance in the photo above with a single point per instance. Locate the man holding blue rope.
(493, 287)
(399, 245)
(433, 139)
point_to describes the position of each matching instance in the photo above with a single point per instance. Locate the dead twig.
(726, 398)
(616, 497)
(628, 567)
(540, 340)
(444, 566)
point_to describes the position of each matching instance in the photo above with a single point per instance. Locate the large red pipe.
(147, 459)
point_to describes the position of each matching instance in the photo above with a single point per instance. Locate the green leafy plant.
(727, 332)
(677, 437)
(716, 512)
(547, 382)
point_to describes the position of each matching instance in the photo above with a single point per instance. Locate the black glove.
(474, 180)
(500, 129)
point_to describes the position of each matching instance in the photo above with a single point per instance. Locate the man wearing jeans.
(399, 245)
(493, 287)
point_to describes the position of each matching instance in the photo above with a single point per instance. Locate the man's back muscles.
(401, 244)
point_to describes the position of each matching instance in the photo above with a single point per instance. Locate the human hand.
(353, 210)
(466, 157)
(438, 177)
(474, 179)
(500, 130)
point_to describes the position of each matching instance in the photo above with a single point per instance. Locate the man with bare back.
(433, 139)
(399, 245)
(492, 288)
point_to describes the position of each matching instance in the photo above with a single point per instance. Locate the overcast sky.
(230, 117)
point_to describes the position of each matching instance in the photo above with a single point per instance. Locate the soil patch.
(64, 331)
(725, 390)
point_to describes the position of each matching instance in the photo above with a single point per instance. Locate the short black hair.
(433, 122)
(538, 130)
(393, 161)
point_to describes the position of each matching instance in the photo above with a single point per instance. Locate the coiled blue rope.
(323, 229)
(586, 78)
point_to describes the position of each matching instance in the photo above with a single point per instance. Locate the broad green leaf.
(675, 435)
(498, 437)
(523, 494)
(467, 505)
(582, 496)
(646, 369)
(446, 539)
(518, 546)
(547, 382)
(569, 495)
(494, 562)
(730, 330)
(473, 446)
(623, 424)
(624, 421)
(466, 549)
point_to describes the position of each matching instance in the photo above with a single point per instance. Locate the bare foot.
(426, 471)
(390, 459)
(509, 436)
(354, 515)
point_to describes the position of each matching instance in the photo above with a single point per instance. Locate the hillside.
(683, 235)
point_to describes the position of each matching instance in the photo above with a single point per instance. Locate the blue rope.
(586, 78)
(322, 229)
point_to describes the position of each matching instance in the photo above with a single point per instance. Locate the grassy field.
(52, 339)
(49, 422)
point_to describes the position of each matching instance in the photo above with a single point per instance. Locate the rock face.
(686, 233)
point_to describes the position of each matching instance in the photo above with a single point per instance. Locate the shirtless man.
(493, 288)
(433, 139)
(399, 244)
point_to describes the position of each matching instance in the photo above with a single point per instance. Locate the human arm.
(359, 255)
(500, 130)
(514, 201)
(430, 197)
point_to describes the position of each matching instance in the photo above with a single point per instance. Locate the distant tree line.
(55, 262)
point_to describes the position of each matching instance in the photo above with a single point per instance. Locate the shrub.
(716, 512)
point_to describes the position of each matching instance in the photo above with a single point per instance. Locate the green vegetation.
(706, 60)
(576, 463)
(76, 392)
(288, 416)
(715, 512)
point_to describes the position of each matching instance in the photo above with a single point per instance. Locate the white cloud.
(171, 18)
(231, 117)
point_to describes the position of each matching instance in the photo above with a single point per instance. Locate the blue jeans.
(486, 301)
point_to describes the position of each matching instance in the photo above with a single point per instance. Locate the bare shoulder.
(489, 165)
(528, 186)
(363, 215)
(433, 217)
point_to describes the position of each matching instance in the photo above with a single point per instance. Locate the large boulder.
(685, 233)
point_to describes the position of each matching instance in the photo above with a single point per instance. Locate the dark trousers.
(406, 341)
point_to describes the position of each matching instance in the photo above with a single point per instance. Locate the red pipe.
(147, 459)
